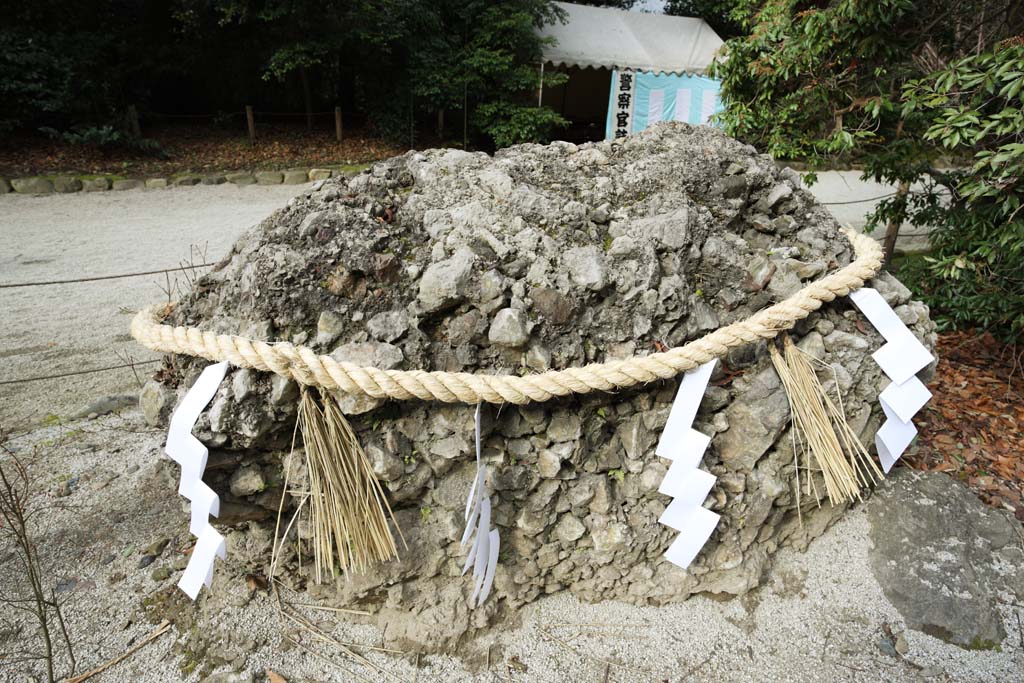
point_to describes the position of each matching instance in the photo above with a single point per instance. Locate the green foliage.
(726, 17)
(905, 88)
(973, 276)
(104, 137)
(76, 67)
(508, 123)
(486, 55)
(411, 58)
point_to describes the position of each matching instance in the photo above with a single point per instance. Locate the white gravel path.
(61, 328)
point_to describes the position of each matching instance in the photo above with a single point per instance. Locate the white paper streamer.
(684, 482)
(483, 552)
(901, 358)
(191, 454)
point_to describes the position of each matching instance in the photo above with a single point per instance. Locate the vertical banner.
(620, 104)
(640, 99)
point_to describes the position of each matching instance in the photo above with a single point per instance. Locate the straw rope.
(306, 367)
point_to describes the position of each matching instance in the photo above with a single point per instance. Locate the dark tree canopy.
(67, 65)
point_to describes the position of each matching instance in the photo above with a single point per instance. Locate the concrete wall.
(851, 200)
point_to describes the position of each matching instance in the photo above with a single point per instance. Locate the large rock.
(540, 257)
(32, 185)
(944, 559)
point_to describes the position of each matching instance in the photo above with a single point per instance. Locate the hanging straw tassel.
(346, 502)
(820, 429)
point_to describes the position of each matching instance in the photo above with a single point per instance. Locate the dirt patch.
(194, 148)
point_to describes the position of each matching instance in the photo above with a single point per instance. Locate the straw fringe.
(821, 431)
(347, 507)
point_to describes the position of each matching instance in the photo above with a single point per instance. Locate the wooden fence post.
(337, 123)
(133, 121)
(250, 119)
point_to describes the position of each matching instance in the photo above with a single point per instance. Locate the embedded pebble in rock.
(540, 257)
(508, 328)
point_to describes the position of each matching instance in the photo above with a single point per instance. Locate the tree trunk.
(892, 228)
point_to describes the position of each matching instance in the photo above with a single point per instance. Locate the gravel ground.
(63, 328)
(820, 617)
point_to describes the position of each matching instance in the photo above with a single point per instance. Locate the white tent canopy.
(615, 39)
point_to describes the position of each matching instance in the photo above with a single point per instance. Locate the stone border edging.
(65, 184)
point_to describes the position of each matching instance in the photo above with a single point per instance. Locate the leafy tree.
(975, 109)
(718, 13)
(614, 4)
(410, 57)
(863, 81)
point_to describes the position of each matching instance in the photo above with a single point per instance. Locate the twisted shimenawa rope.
(306, 367)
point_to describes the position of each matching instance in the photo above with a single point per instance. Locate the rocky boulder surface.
(950, 564)
(539, 257)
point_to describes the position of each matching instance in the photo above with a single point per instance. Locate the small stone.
(554, 306)
(156, 548)
(161, 573)
(538, 358)
(156, 183)
(569, 529)
(96, 184)
(146, 560)
(247, 481)
(386, 466)
(586, 267)
(813, 345)
(269, 177)
(549, 464)
(32, 186)
(283, 391)
(101, 480)
(508, 328)
(319, 173)
(901, 644)
(388, 326)
(294, 177)
(444, 283)
(66, 184)
(329, 326)
(156, 400)
(564, 426)
(229, 677)
(733, 186)
(759, 273)
(107, 405)
(214, 179)
(844, 340)
(609, 538)
(240, 179)
(774, 196)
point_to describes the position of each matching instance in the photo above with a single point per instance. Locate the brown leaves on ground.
(973, 428)
(196, 148)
